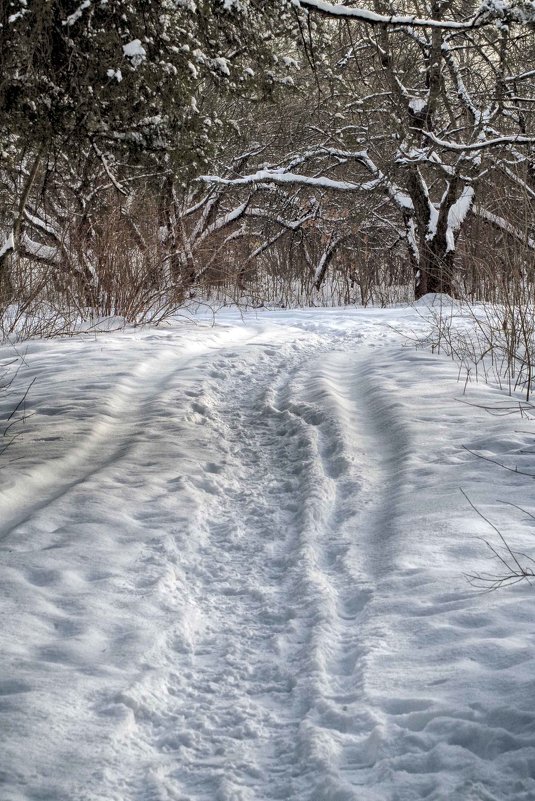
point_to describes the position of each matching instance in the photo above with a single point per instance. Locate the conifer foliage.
(129, 76)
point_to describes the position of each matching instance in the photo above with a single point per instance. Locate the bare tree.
(422, 113)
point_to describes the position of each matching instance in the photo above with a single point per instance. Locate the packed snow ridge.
(233, 562)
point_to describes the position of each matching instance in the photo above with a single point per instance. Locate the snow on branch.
(457, 215)
(380, 181)
(198, 206)
(499, 140)
(277, 177)
(35, 250)
(372, 18)
(517, 180)
(224, 220)
(490, 12)
(289, 225)
(7, 247)
(75, 16)
(400, 198)
(522, 77)
(46, 226)
(504, 225)
(325, 260)
(462, 91)
(118, 186)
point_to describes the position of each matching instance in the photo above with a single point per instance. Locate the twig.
(500, 464)
(515, 572)
(19, 404)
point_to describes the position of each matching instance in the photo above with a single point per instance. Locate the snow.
(437, 300)
(290, 63)
(115, 75)
(339, 10)
(73, 18)
(40, 251)
(521, 77)
(221, 64)
(433, 220)
(482, 144)
(417, 104)
(233, 557)
(457, 215)
(135, 51)
(412, 239)
(7, 246)
(504, 225)
(281, 177)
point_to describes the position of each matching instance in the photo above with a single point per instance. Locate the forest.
(287, 153)
(267, 363)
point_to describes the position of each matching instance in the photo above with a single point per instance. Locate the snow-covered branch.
(373, 18)
(279, 176)
(288, 178)
(484, 144)
(35, 250)
(115, 182)
(504, 225)
(491, 12)
(223, 221)
(523, 76)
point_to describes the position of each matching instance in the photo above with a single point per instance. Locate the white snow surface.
(135, 51)
(232, 568)
(417, 104)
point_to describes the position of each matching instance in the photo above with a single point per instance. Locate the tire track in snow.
(109, 440)
(362, 447)
(116, 430)
(386, 435)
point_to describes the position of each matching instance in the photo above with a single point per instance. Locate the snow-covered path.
(232, 570)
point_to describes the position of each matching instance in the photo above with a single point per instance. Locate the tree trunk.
(435, 271)
(6, 285)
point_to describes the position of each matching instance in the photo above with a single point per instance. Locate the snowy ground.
(232, 569)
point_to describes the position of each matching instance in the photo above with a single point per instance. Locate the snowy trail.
(238, 575)
(281, 591)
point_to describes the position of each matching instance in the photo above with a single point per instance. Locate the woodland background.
(265, 153)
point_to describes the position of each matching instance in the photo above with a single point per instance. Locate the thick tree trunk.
(435, 271)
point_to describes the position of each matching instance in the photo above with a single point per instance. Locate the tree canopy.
(311, 130)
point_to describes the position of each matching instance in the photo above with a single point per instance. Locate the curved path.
(238, 579)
